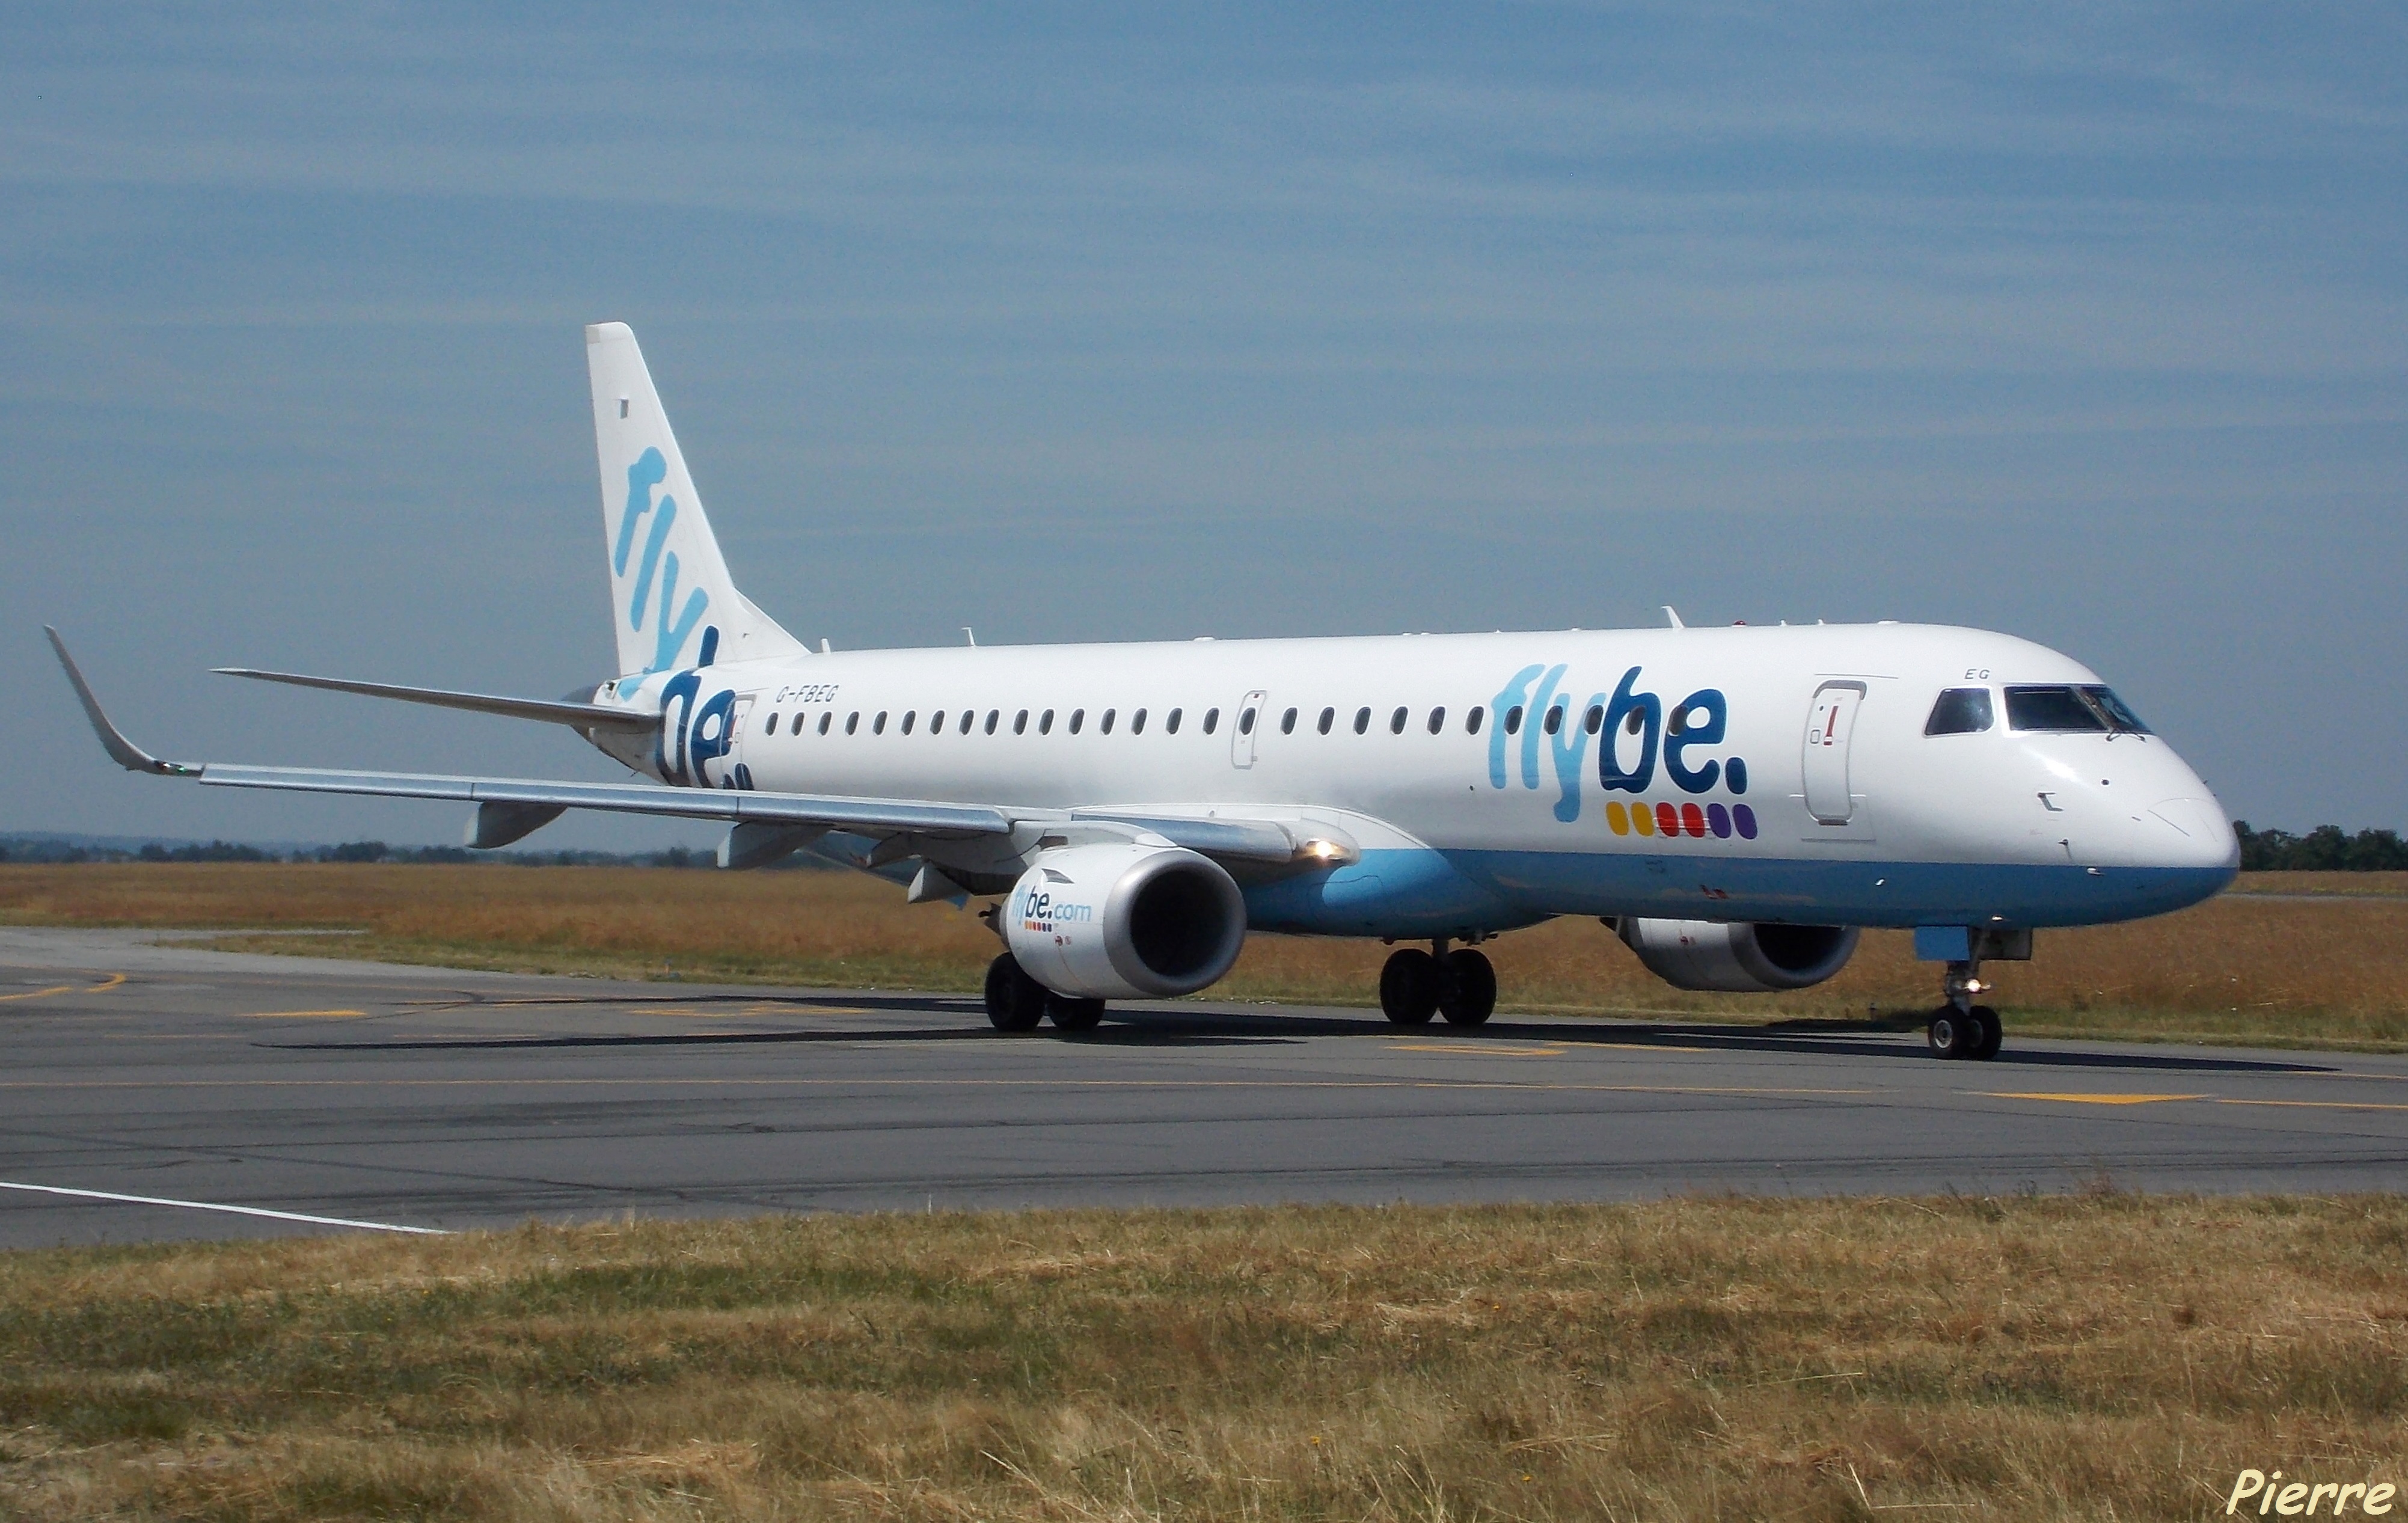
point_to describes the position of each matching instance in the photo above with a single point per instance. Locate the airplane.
(1736, 803)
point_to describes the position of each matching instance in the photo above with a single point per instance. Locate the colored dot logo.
(1675, 820)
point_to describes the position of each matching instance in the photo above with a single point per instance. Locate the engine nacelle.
(1118, 921)
(1739, 958)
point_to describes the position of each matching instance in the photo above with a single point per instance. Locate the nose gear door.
(1830, 727)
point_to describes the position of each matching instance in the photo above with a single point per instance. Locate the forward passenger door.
(1830, 728)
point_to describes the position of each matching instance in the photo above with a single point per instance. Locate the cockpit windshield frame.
(2070, 708)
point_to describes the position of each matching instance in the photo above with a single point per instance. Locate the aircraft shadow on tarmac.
(1172, 1026)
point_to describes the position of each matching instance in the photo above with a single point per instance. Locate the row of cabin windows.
(1553, 722)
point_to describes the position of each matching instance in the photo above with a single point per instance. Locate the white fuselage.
(1777, 773)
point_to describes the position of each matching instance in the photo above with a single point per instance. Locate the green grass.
(2096, 1356)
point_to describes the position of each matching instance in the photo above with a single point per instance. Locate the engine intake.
(1739, 957)
(1124, 921)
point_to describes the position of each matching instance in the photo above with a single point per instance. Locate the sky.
(2083, 322)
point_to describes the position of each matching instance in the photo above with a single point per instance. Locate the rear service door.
(1830, 727)
(734, 773)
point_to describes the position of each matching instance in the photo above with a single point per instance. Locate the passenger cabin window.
(1362, 720)
(2071, 710)
(1077, 717)
(1555, 725)
(1471, 720)
(1961, 711)
(1637, 722)
(993, 715)
(1397, 721)
(826, 718)
(1137, 723)
(1246, 723)
(968, 716)
(853, 722)
(1108, 720)
(1594, 719)
(1212, 720)
(1287, 723)
(771, 727)
(1171, 723)
(878, 726)
(1045, 723)
(1020, 723)
(798, 724)
(1513, 720)
(1437, 720)
(1328, 717)
(935, 723)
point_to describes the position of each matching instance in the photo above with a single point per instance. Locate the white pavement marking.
(208, 1205)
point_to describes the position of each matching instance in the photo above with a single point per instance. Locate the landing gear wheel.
(1953, 1033)
(1069, 1014)
(1992, 1034)
(1014, 1001)
(1409, 988)
(1466, 987)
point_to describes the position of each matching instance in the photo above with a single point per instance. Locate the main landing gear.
(1961, 1029)
(1016, 1002)
(1416, 985)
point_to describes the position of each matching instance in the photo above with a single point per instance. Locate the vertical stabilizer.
(671, 599)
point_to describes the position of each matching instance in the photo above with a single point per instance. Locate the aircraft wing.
(867, 815)
(518, 804)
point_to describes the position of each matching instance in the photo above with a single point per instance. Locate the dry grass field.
(2093, 1357)
(2288, 958)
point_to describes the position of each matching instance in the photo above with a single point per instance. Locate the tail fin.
(671, 599)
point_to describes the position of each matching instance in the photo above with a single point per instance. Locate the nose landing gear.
(1960, 1027)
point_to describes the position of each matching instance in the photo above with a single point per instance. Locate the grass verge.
(2300, 959)
(2101, 1355)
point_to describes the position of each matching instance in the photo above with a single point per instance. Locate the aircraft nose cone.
(2196, 834)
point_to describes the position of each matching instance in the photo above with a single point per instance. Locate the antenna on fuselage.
(1671, 619)
(970, 635)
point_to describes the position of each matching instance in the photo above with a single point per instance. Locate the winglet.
(122, 751)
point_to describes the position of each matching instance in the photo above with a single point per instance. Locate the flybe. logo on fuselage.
(658, 565)
(1634, 738)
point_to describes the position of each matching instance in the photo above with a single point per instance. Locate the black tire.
(1409, 988)
(1993, 1033)
(1069, 1014)
(1466, 988)
(1953, 1033)
(1014, 1000)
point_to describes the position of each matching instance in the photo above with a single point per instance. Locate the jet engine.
(1740, 957)
(1125, 921)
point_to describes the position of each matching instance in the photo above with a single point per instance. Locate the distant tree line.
(2325, 849)
(39, 851)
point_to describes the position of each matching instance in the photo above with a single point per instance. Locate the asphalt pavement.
(174, 1092)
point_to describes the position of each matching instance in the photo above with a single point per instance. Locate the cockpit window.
(1961, 711)
(2119, 713)
(2071, 710)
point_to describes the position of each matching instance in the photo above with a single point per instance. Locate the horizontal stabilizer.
(585, 716)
